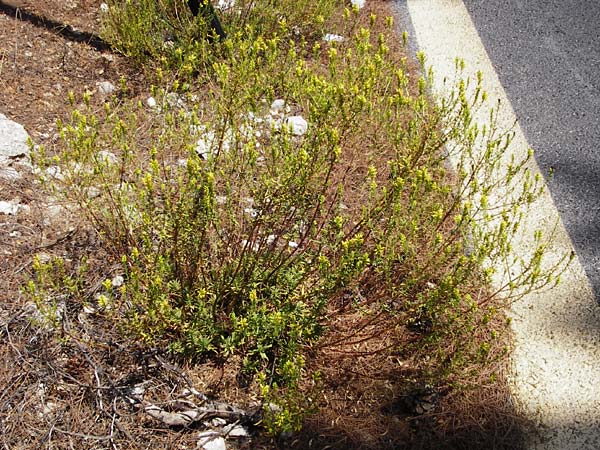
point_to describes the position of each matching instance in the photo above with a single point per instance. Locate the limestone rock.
(106, 88)
(297, 125)
(211, 440)
(13, 138)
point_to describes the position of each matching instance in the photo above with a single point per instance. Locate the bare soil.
(73, 392)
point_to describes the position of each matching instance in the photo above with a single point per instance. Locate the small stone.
(203, 146)
(106, 87)
(333, 38)
(89, 309)
(15, 234)
(9, 174)
(218, 422)
(292, 244)
(225, 4)
(358, 3)
(297, 125)
(93, 192)
(49, 408)
(104, 7)
(8, 208)
(175, 100)
(54, 172)
(211, 440)
(151, 102)
(13, 138)
(275, 124)
(278, 106)
(107, 157)
(43, 257)
(117, 281)
(235, 431)
(251, 212)
(55, 211)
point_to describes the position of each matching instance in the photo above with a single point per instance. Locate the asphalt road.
(547, 56)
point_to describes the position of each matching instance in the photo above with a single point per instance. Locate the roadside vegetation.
(298, 215)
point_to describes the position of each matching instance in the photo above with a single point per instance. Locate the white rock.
(49, 408)
(107, 157)
(218, 422)
(278, 106)
(175, 100)
(151, 102)
(44, 257)
(297, 125)
(93, 192)
(9, 208)
(271, 238)
(225, 4)
(204, 145)
(358, 3)
(211, 440)
(251, 212)
(274, 123)
(292, 244)
(55, 211)
(89, 309)
(333, 38)
(117, 281)
(13, 138)
(235, 431)
(103, 7)
(9, 174)
(106, 87)
(54, 172)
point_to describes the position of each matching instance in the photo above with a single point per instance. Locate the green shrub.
(236, 232)
(164, 31)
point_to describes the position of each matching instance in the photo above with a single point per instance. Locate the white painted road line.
(556, 360)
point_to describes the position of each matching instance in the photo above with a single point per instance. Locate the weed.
(306, 171)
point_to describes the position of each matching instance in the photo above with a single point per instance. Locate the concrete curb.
(556, 359)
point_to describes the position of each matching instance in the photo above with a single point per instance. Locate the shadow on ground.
(61, 29)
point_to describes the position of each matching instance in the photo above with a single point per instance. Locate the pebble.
(278, 106)
(297, 125)
(107, 157)
(358, 3)
(225, 4)
(12, 208)
(13, 138)
(333, 38)
(106, 87)
(117, 281)
(10, 173)
(235, 431)
(211, 440)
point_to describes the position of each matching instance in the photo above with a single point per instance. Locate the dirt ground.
(74, 393)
